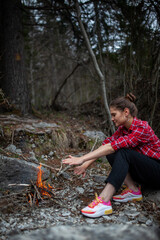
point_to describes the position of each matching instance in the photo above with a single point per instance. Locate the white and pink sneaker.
(128, 195)
(97, 208)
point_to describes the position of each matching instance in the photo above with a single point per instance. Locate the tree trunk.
(14, 82)
(97, 68)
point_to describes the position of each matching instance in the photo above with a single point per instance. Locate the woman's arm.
(99, 152)
(82, 168)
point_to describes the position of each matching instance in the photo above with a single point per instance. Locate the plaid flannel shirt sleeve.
(137, 137)
(114, 137)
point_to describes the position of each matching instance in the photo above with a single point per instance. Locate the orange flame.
(41, 185)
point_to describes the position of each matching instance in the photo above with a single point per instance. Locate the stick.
(30, 198)
(12, 194)
(46, 190)
(94, 144)
(45, 165)
(34, 198)
(36, 189)
(20, 184)
(62, 171)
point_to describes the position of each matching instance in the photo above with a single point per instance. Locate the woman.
(133, 151)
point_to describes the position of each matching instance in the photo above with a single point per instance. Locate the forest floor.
(49, 139)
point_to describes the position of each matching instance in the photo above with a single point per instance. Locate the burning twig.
(37, 192)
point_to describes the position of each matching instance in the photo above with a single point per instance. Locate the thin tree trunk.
(97, 68)
(14, 81)
(155, 82)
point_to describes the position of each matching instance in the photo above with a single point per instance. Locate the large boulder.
(17, 171)
(101, 232)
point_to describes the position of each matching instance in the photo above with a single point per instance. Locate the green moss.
(99, 160)
(7, 131)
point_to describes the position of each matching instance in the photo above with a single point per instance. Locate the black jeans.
(143, 170)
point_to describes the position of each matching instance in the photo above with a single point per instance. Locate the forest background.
(74, 54)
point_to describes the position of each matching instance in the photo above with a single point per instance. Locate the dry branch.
(37, 191)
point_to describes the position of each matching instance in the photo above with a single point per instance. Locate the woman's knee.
(111, 158)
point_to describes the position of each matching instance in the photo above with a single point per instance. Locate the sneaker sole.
(129, 199)
(99, 214)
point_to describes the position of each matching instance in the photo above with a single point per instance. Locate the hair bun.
(130, 97)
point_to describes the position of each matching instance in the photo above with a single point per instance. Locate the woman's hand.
(73, 160)
(80, 170)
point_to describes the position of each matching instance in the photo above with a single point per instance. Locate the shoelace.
(95, 202)
(126, 190)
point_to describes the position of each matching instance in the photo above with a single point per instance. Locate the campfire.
(39, 190)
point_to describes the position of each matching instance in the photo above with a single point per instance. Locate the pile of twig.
(36, 194)
(29, 197)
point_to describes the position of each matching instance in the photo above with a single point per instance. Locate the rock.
(95, 134)
(142, 219)
(80, 190)
(66, 214)
(33, 157)
(99, 178)
(29, 127)
(132, 213)
(149, 222)
(66, 175)
(51, 154)
(44, 125)
(103, 232)
(19, 151)
(13, 170)
(12, 148)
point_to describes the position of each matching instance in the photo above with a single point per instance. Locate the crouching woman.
(133, 151)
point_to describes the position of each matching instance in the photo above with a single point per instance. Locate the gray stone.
(95, 134)
(132, 213)
(122, 219)
(149, 222)
(80, 190)
(44, 125)
(29, 127)
(103, 232)
(33, 157)
(18, 171)
(66, 175)
(19, 151)
(11, 148)
(142, 219)
(99, 178)
(51, 154)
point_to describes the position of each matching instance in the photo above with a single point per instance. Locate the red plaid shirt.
(140, 137)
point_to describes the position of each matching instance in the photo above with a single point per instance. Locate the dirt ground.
(71, 192)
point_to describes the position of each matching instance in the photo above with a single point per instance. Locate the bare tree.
(96, 65)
